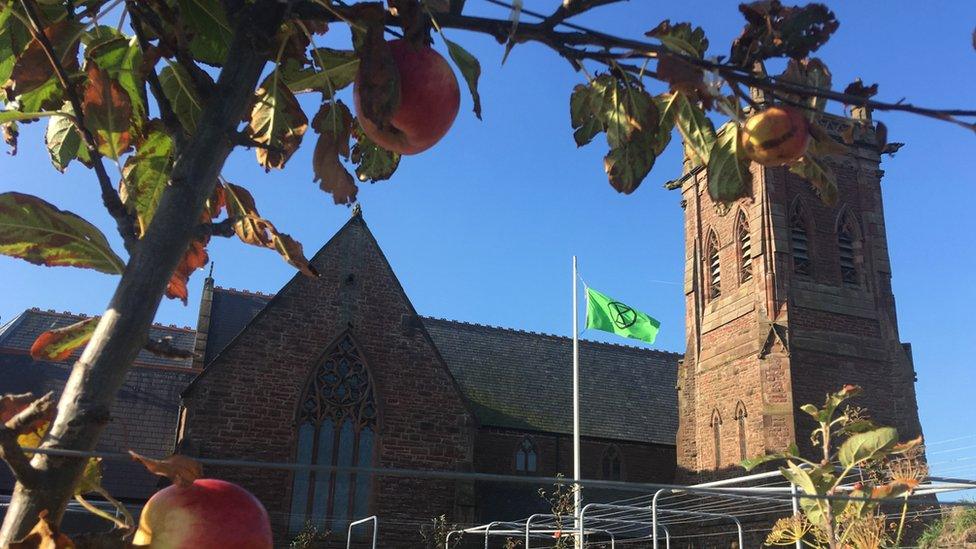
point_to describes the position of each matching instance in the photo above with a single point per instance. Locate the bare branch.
(569, 8)
(10, 450)
(223, 228)
(123, 219)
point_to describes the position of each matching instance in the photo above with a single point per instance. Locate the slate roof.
(231, 310)
(19, 334)
(523, 380)
(144, 415)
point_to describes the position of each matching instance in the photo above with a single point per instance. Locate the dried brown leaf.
(44, 535)
(180, 470)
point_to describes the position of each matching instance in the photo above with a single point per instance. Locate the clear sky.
(482, 227)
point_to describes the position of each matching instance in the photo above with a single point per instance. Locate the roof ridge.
(252, 293)
(545, 334)
(62, 314)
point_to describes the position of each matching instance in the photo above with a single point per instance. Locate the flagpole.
(577, 496)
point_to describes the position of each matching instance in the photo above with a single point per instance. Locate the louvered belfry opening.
(745, 248)
(714, 268)
(847, 248)
(337, 424)
(799, 242)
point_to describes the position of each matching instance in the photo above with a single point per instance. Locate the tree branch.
(10, 450)
(123, 219)
(569, 44)
(166, 113)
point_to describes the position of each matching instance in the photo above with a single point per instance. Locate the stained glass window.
(336, 426)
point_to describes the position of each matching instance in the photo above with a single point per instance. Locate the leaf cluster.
(849, 444)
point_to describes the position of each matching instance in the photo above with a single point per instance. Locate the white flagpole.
(577, 496)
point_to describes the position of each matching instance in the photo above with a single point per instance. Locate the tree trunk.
(85, 404)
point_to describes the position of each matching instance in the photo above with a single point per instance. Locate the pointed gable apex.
(356, 290)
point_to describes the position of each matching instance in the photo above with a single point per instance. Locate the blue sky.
(482, 227)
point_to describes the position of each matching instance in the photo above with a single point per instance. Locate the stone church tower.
(787, 299)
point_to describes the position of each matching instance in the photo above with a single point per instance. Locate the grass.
(956, 528)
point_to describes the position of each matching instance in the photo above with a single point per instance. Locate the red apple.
(429, 101)
(208, 514)
(775, 136)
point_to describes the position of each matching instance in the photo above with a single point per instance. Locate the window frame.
(527, 446)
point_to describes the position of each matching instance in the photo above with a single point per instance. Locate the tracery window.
(610, 465)
(337, 423)
(526, 456)
(849, 248)
(713, 266)
(745, 248)
(799, 243)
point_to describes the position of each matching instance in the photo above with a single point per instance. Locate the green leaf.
(681, 38)
(91, 478)
(471, 70)
(867, 446)
(35, 231)
(630, 118)
(751, 463)
(8, 116)
(811, 410)
(277, 121)
(146, 174)
(373, 163)
(182, 96)
(14, 37)
(63, 141)
(121, 57)
(58, 344)
(729, 177)
(818, 174)
(335, 69)
(857, 426)
(211, 33)
(584, 113)
(696, 128)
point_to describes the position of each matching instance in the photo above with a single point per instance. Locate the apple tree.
(166, 89)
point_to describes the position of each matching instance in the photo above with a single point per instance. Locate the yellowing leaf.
(91, 478)
(35, 231)
(696, 128)
(44, 535)
(58, 344)
(121, 57)
(146, 174)
(193, 258)
(333, 123)
(681, 38)
(181, 470)
(33, 70)
(276, 120)
(108, 112)
(818, 174)
(253, 229)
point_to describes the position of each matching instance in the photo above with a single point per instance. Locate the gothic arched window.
(799, 242)
(716, 425)
(740, 420)
(337, 422)
(849, 248)
(744, 240)
(526, 456)
(610, 464)
(713, 266)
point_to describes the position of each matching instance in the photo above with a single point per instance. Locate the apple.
(208, 514)
(429, 101)
(775, 136)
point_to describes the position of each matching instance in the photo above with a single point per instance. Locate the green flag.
(609, 315)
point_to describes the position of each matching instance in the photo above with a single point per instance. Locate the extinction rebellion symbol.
(623, 317)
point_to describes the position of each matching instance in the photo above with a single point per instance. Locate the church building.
(787, 299)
